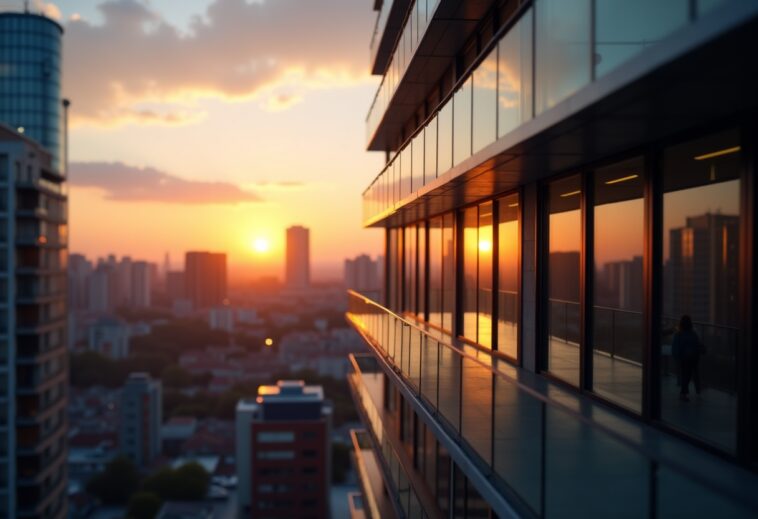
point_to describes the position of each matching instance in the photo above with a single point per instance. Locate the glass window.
(445, 138)
(509, 252)
(395, 255)
(485, 102)
(422, 262)
(564, 273)
(470, 246)
(435, 271)
(448, 271)
(484, 299)
(462, 123)
(410, 269)
(618, 334)
(563, 49)
(701, 280)
(418, 161)
(623, 28)
(406, 171)
(514, 76)
(430, 151)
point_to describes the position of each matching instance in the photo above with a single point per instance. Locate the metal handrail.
(750, 500)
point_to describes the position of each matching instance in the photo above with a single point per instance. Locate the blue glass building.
(30, 79)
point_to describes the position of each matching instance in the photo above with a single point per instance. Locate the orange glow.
(485, 246)
(269, 342)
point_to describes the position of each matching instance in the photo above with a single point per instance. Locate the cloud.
(273, 50)
(48, 9)
(125, 183)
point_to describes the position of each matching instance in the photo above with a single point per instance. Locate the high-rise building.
(175, 285)
(99, 289)
(362, 274)
(141, 419)
(205, 279)
(141, 284)
(283, 451)
(565, 180)
(298, 267)
(79, 271)
(33, 255)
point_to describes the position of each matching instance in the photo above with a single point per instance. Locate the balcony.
(518, 115)
(408, 496)
(431, 34)
(389, 23)
(375, 502)
(536, 448)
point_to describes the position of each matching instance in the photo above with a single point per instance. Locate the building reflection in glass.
(564, 274)
(701, 279)
(618, 334)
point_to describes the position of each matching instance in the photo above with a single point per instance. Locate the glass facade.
(30, 72)
(567, 35)
(576, 311)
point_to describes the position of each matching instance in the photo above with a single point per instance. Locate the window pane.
(445, 139)
(618, 240)
(435, 271)
(448, 271)
(422, 262)
(508, 275)
(623, 28)
(484, 303)
(563, 49)
(406, 168)
(394, 272)
(430, 151)
(701, 279)
(418, 162)
(410, 269)
(514, 90)
(565, 244)
(462, 123)
(470, 246)
(485, 102)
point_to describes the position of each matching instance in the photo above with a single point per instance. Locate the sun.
(261, 245)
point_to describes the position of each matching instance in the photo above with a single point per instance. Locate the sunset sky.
(210, 124)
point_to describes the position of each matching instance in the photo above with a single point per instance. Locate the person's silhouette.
(685, 348)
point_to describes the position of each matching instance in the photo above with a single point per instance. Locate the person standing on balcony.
(686, 348)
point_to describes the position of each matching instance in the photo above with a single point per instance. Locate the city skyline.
(137, 125)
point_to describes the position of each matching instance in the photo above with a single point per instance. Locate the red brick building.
(283, 452)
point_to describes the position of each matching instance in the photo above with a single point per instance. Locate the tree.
(144, 505)
(116, 483)
(175, 376)
(186, 483)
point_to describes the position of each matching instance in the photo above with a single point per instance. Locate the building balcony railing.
(406, 492)
(547, 450)
(518, 77)
(419, 15)
(375, 503)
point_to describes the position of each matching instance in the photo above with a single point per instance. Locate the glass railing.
(534, 445)
(516, 81)
(407, 496)
(420, 14)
